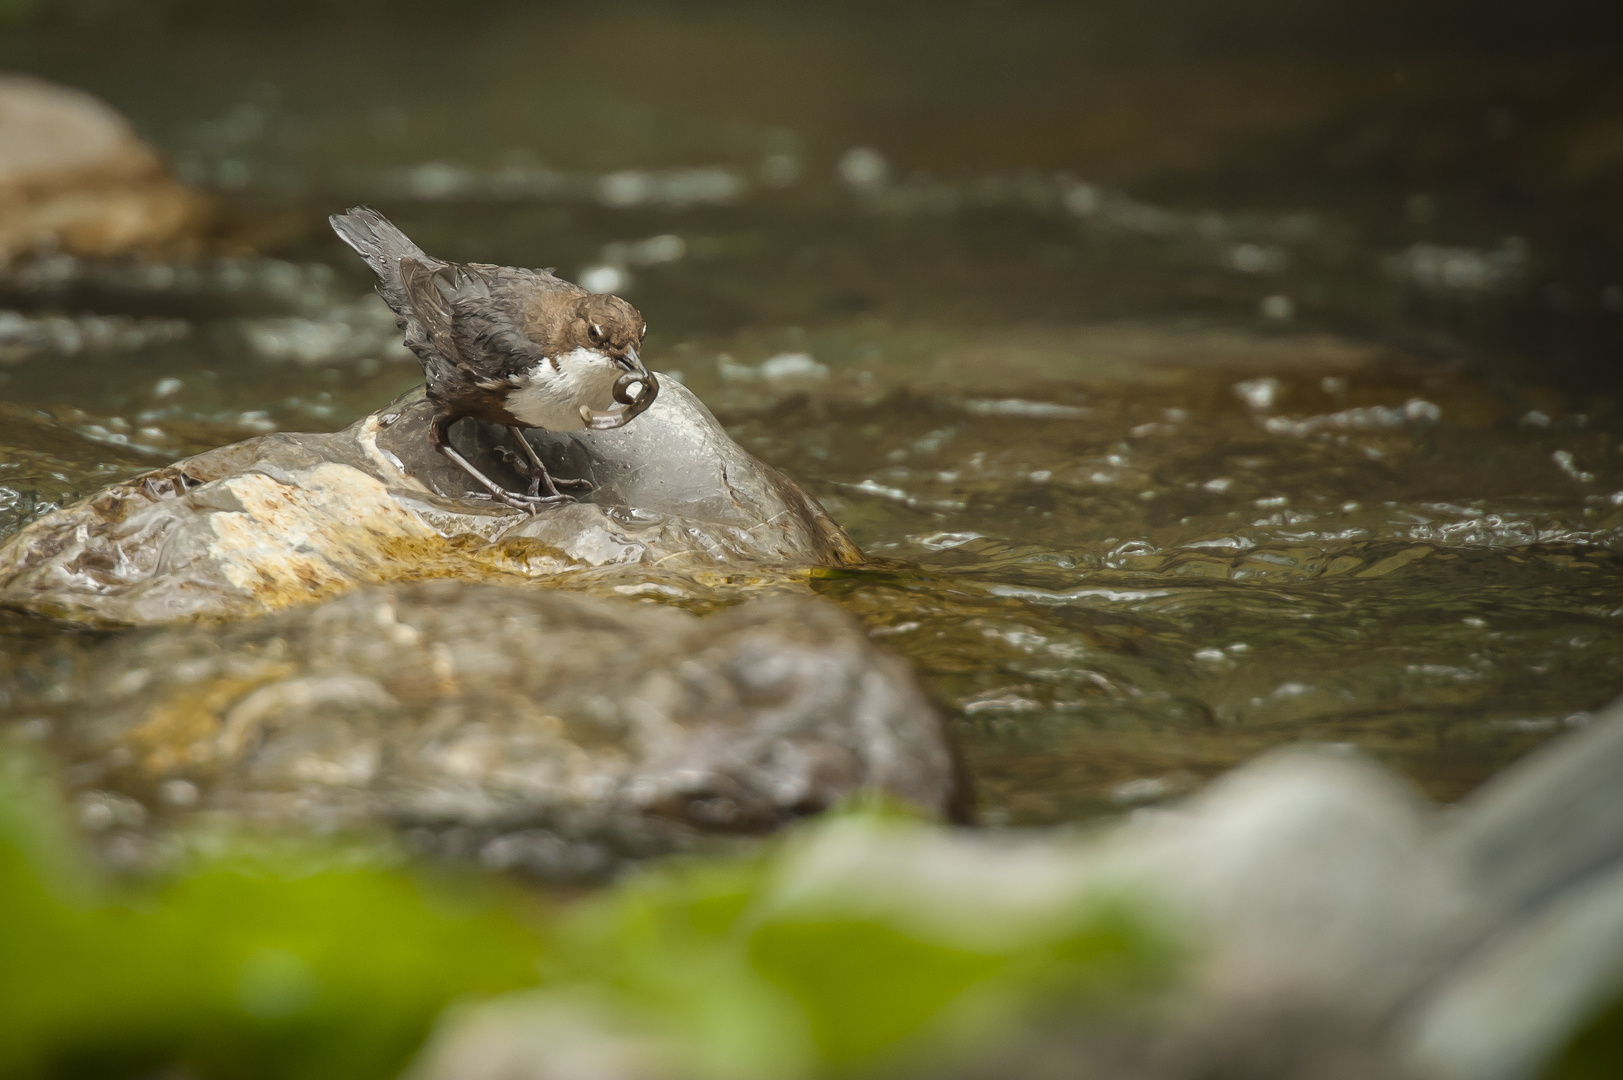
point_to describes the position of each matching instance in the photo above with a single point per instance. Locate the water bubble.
(863, 169)
(1259, 394)
(1035, 410)
(944, 540)
(1082, 200)
(603, 279)
(1278, 307)
(437, 180)
(1569, 465)
(1219, 484)
(793, 366)
(664, 248)
(1256, 259)
(1433, 266)
(165, 387)
(1420, 409)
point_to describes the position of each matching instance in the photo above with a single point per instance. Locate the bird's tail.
(376, 240)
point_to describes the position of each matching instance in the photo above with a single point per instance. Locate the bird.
(521, 348)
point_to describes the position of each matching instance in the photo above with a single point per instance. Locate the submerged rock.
(291, 518)
(534, 728)
(75, 177)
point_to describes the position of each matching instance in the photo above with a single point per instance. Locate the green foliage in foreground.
(1596, 1051)
(335, 963)
(276, 965)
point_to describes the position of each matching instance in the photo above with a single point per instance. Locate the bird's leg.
(523, 464)
(439, 432)
(539, 477)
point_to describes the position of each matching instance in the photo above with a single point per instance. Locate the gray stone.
(1540, 850)
(1316, 872)
(530, 728)
(1516, 1000)
(680, 511)
(1546, 822)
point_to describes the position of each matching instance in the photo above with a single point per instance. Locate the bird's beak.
(631, 362)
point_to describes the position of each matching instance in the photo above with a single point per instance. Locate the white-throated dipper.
(516, 347)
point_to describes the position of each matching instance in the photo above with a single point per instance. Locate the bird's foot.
(532, 502)
(523, 468)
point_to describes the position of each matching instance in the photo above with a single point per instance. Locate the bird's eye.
(596, 333)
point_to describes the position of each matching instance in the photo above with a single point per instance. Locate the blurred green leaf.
(246, 967)
(863, 985)
(1596, 1051)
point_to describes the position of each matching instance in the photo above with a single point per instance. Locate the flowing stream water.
(1194, 390)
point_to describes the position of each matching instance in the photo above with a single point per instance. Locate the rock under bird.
(517, 347)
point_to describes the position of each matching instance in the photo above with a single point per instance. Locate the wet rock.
(1547, 822)
(1515, 1001)
(1540, 847)
(290, 518)
(74, 176)
(528, 728)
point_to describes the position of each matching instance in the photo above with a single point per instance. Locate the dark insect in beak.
(646, 387)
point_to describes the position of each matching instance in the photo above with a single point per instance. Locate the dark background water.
(1211, 376)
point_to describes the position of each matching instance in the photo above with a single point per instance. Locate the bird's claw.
(532, 503)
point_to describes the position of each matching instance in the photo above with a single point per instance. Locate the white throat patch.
(548, 397)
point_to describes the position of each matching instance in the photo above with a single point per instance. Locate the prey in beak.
(634, 391)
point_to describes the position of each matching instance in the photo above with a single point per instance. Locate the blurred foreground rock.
(1334, 928)
(534, 729)
(283, 519)
(75, 177)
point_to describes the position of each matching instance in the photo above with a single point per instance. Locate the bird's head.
(610, 326)
(607, 331)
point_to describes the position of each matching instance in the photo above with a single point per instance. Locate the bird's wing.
(468, 323)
